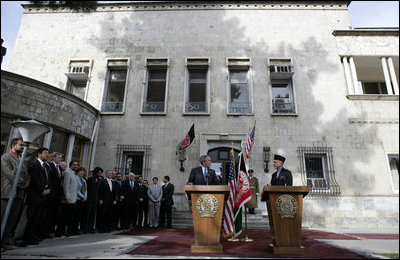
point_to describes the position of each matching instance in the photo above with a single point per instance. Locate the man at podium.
(282, 176)
(203, 175)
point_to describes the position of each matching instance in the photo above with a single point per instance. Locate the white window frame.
(145, 86)
(187, 86)
(249, 80)
(390, 175)
(287, 78)
(69, 82)
(106, 84)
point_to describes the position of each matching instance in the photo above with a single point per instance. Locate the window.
(197, 86)
(77, 152)
(393, 160)
(374, 88)
(281, 73)
(239, 94)
(282, 97)
(133, 158)
(78, 77)
(156, 86)
(59, 141)
(132, 162)
(317, 170)
(116, 84)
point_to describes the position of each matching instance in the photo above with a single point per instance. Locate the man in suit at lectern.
(203, 175)
(282, 176)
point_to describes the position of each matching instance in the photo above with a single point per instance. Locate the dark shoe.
(21, 244)
(32, 242)
(5, 247)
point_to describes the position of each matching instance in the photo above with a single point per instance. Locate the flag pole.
(246, 238)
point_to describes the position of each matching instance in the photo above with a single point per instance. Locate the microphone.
(208, 175)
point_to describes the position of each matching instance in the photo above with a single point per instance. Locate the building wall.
(26, 98)
(324, 118)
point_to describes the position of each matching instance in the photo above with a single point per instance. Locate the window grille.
(133, 158)
(317, 171)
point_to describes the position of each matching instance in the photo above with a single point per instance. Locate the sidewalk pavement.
(110, 245)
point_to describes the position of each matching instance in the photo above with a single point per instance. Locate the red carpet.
(177, 241)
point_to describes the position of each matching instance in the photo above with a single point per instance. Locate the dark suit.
(119, 208)
(166, 204)
(131, 203)
(35, 200)
(54, 197)
(285, 178)
(108, 197)
(196, 177)
(142, 206)
(93, 186)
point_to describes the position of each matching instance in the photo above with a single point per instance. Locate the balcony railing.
(112, 106)
(193, 107)
(240, 107)
(287, 108)
(153, 106)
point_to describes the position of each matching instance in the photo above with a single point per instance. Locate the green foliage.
(390, 255)
(85, 6)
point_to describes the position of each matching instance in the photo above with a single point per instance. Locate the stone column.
(387, 78)
(357, 88)
(47, 138)
(347, 73)
(70, 148)
(393, 76)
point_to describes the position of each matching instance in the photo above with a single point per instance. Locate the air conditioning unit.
(280, 69)
(281, 100)
(77, 70)
(78, 73)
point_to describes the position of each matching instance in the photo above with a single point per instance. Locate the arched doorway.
(220, 162)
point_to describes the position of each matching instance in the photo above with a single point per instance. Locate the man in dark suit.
(54, 196)
(38, 189)
(166, 202)
(93, 186)
(203, 175)
(118, 221)
(142, 202)
(130, 194)
(282, 176)
(108, 195)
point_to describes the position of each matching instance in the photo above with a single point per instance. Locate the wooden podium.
(207, 209)
(285, 207)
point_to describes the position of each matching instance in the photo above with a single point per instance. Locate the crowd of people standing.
(54, 199)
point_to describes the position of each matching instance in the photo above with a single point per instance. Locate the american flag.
(249, 143)
(229, 219)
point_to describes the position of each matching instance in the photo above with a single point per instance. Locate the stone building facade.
(321, 94)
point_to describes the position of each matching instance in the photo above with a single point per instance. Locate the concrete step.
(184, 219)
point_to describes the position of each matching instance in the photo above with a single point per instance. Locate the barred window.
(317, 171)
(393, 160)
(133, 158)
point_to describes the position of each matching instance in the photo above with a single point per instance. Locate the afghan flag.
(187, 141)
(243, 195)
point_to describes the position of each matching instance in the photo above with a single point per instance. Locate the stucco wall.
(360, 132)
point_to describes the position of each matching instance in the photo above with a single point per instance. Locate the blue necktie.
(205, 174)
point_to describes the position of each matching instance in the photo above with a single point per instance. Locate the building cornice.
(49, 88)
(197, 5)
(368, 32)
